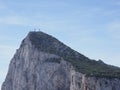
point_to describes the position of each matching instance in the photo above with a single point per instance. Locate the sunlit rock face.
(44, 63)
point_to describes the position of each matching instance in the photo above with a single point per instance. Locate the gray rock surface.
(32, 69)
(82, 82)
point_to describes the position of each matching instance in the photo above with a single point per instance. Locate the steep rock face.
(44, 67)
(82, 82)
(31, 69)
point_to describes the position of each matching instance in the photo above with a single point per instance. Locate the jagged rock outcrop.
(44, 63)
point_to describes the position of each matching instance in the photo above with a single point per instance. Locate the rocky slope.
(44, 63)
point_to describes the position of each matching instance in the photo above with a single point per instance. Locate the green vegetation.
(47, 43)
(56, 60)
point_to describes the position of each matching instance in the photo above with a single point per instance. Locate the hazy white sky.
(91, 27)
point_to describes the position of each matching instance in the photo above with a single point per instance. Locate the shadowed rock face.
(44, 63)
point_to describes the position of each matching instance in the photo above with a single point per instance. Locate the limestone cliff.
(44, 63)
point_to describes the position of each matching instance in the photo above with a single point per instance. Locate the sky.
(91, 27)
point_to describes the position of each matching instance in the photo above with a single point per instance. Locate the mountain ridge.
(83, 64)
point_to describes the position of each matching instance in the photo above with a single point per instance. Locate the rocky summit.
(44, 63)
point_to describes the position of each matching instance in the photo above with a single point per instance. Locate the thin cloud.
(114, 29)
(25, 21)
(11, 20)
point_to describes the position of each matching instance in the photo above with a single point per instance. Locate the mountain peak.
(39, 37)
(47, 43)
(37, 33)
